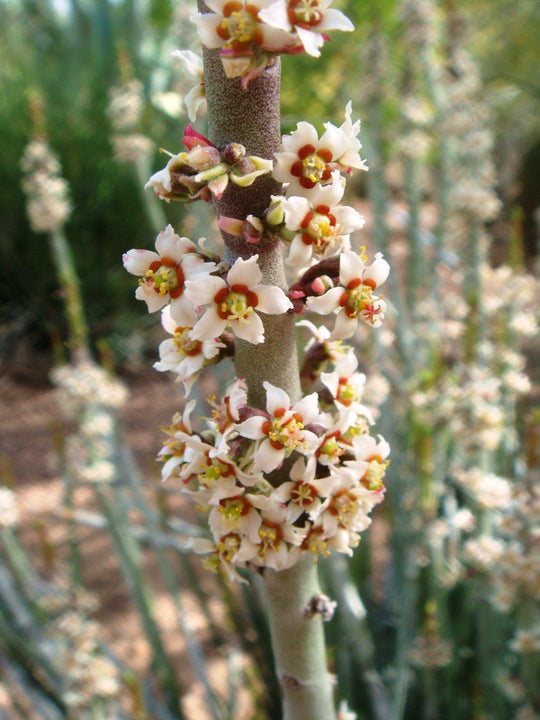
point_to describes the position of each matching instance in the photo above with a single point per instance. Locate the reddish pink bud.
(318, 286)
(297, 294)
(192, 138)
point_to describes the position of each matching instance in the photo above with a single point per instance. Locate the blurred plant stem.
(71, 292)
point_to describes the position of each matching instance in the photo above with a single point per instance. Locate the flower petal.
(276, 15)
(272, 300)
(251, 330)
(311, 41)
(325, 304)
(276, 398)
(137, 262)
(209, 326)
(345, 326)
(268, 458)
(171, 245)
(182, 311)
(252, 427)
(153, 300)
(203, 291)
(299, 253)
(245, 272)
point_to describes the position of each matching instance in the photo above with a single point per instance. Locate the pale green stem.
(67, 276)
(298, 642)
(415, 271)
(252, 118)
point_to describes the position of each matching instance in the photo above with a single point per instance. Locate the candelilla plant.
(284, 471)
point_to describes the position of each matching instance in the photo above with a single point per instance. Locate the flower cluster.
(330, 466)
(125, 110)
(335, 475)
(250, 33)
(47, 192)
(200, 300)
(204, 171)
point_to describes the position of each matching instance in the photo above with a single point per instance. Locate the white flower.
(174, 447)
(303, 492)
(224, 553)
(244, 41)
(193, 67)
(182, 354)
(354, 297)
(307, 160)
(236, 26)
(165, 272)
(309, 18)
(281, 431)
(346, 386)
(321, 225)
(233, 511)
(233, 302)
(278, 541)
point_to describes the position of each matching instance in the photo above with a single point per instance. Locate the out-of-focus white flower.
(526, 641)
(48, 202)
(125, 106)
(195, 99)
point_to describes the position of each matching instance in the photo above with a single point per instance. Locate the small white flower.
(233, 302)
(281, 431)
(164, 274)
(303, 492)
(354, 298)
(309, 18)
(346, 385)
(307, 159)
(182, 354)
(233, 511)
(244, 41)
(193, 67)
(321, 225)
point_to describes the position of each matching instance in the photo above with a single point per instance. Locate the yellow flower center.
(185, 344)
(284, 433)
(240, 26)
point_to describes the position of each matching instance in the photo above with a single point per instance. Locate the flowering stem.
(252, 117)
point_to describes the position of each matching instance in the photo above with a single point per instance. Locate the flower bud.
(275, 214)
(321, 284)
(234, 152)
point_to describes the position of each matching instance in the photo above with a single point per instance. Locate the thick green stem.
(298, 642)
(251, 117)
